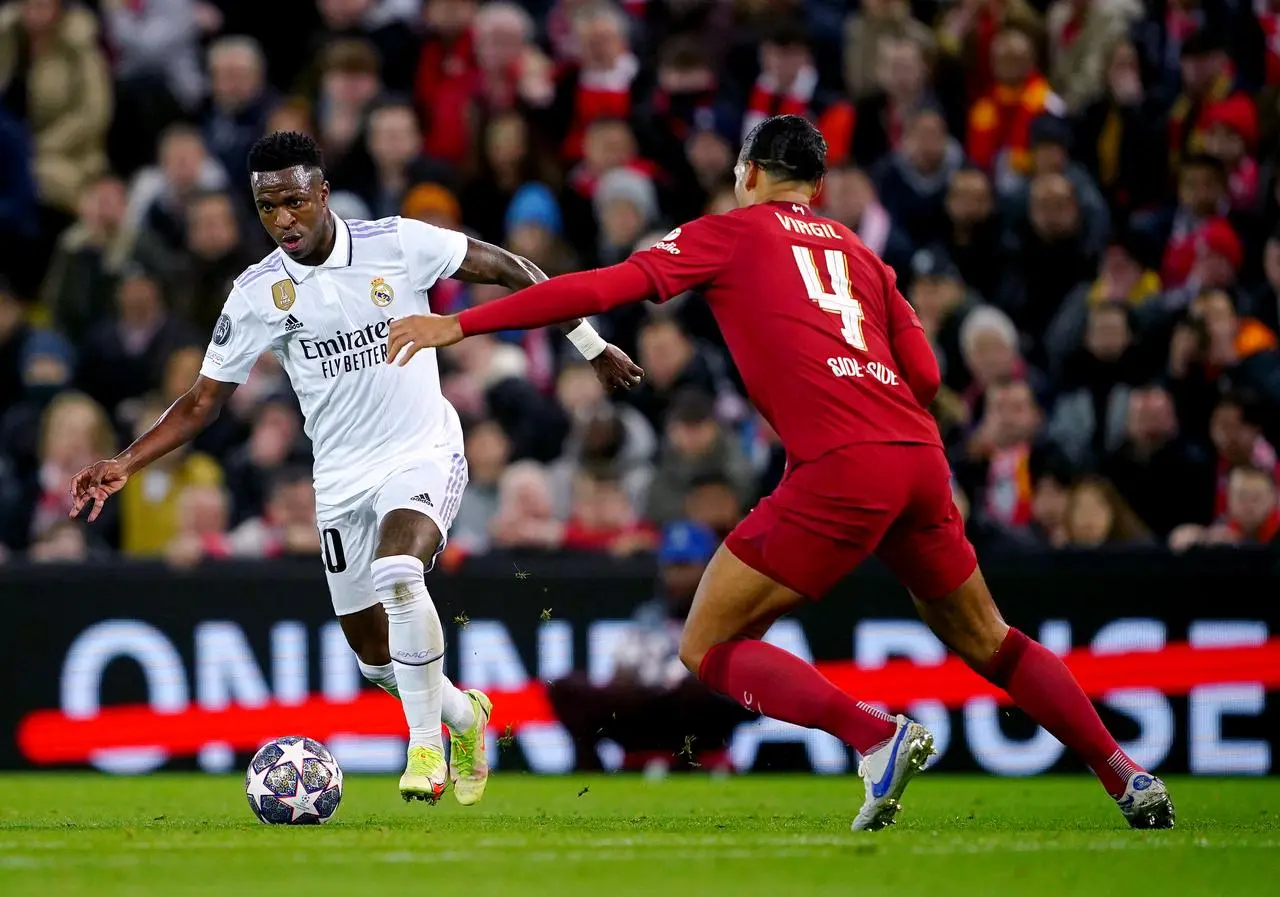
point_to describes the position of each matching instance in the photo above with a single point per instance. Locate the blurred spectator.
(274, 443)
(524, 518)
(671, 361)
(713, 501)
(1119, 140)
(941, 300)
(1251, 516)
(1202, 197)
(126, 355)
(79, 286)
(510, 66)
(994, 467)
(605, 82)
(240, 102)
(1053, 254)
(156, 213)
(155, 45)
(1089, 416)
(488, 452)
(1051, 488)
(534, 230)
(54, 77)
(849, 197)
(1219, 343)
(788, 84)
(446, 78)
(1263, 303)
(287, 525)
(968, 31)
(912, 180)
(1000, 121)
(394, 144)
(1235, 428)
(1206, 79)
(508, 161)
(19, 219)
(651, 706)
(602, 435)
(1098, 517)
(696, 445)
(868, 30)
(1231, 137)
(1121, 278)
(602, 518)
(1051, 144)
(903, 76)
(973, 235)
(200, 527)
(216, 254)
(74, 432)
(626, 206)
(349, 83)
(156, 517)
(989, 347)
(391, 43)
(1153, 455)
(64, 542)
(682, 104)
(43, 363)
(1082, 34)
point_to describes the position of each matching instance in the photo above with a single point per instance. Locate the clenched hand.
(615, 370)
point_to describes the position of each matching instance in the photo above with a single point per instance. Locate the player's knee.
(398, 580)
(692, 651)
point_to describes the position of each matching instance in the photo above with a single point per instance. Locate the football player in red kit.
(835, 359)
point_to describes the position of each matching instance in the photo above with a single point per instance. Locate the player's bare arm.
(179, 425)
(486, 263)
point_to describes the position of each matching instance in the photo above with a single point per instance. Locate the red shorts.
(828, 514)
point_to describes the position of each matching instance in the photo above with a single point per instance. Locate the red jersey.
(809, 315)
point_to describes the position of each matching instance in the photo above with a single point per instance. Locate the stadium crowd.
(1081, 199)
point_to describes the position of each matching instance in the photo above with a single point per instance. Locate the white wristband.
(587, 341)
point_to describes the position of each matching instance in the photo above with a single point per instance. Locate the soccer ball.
(293, 781)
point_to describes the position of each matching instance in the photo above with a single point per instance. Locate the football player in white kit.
(389, 466)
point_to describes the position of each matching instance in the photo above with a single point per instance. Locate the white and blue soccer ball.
(293, 780)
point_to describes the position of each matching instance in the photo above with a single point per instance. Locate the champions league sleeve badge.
(380, 292)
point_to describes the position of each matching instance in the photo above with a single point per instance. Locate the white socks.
(416, 640)
(456, 711)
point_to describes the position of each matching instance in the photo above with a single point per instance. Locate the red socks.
(774, 683)
(1040, 683)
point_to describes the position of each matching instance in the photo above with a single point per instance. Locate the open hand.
(418, 332)
(97, 483)
(615, 370)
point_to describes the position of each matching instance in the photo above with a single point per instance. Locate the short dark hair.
(787, 147)
(785, 31)
(285, 149)
(1204, 160)
(1246, 402)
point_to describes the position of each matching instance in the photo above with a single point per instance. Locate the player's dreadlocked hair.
(285, 149)
(788, 148)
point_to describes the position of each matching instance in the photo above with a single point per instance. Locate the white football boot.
(1146, 802)
(886, 770)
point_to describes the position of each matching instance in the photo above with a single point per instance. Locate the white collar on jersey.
(339, 258)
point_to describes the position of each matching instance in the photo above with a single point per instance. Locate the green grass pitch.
(68, 835)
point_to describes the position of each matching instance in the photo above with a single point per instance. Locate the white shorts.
(349, 529)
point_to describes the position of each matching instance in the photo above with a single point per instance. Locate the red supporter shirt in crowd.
(828, 348)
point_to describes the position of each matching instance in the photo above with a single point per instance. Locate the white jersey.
(328, 326)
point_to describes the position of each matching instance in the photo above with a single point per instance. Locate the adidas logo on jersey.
(424, 498)
(291, 324)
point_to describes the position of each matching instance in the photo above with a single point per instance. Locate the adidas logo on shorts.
(291, 324)
(424, 498)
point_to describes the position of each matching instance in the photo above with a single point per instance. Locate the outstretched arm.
(567, 297)
(179, 425)
(486, 263)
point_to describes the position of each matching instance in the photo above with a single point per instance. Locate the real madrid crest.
(380, 292)
(283, 295)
